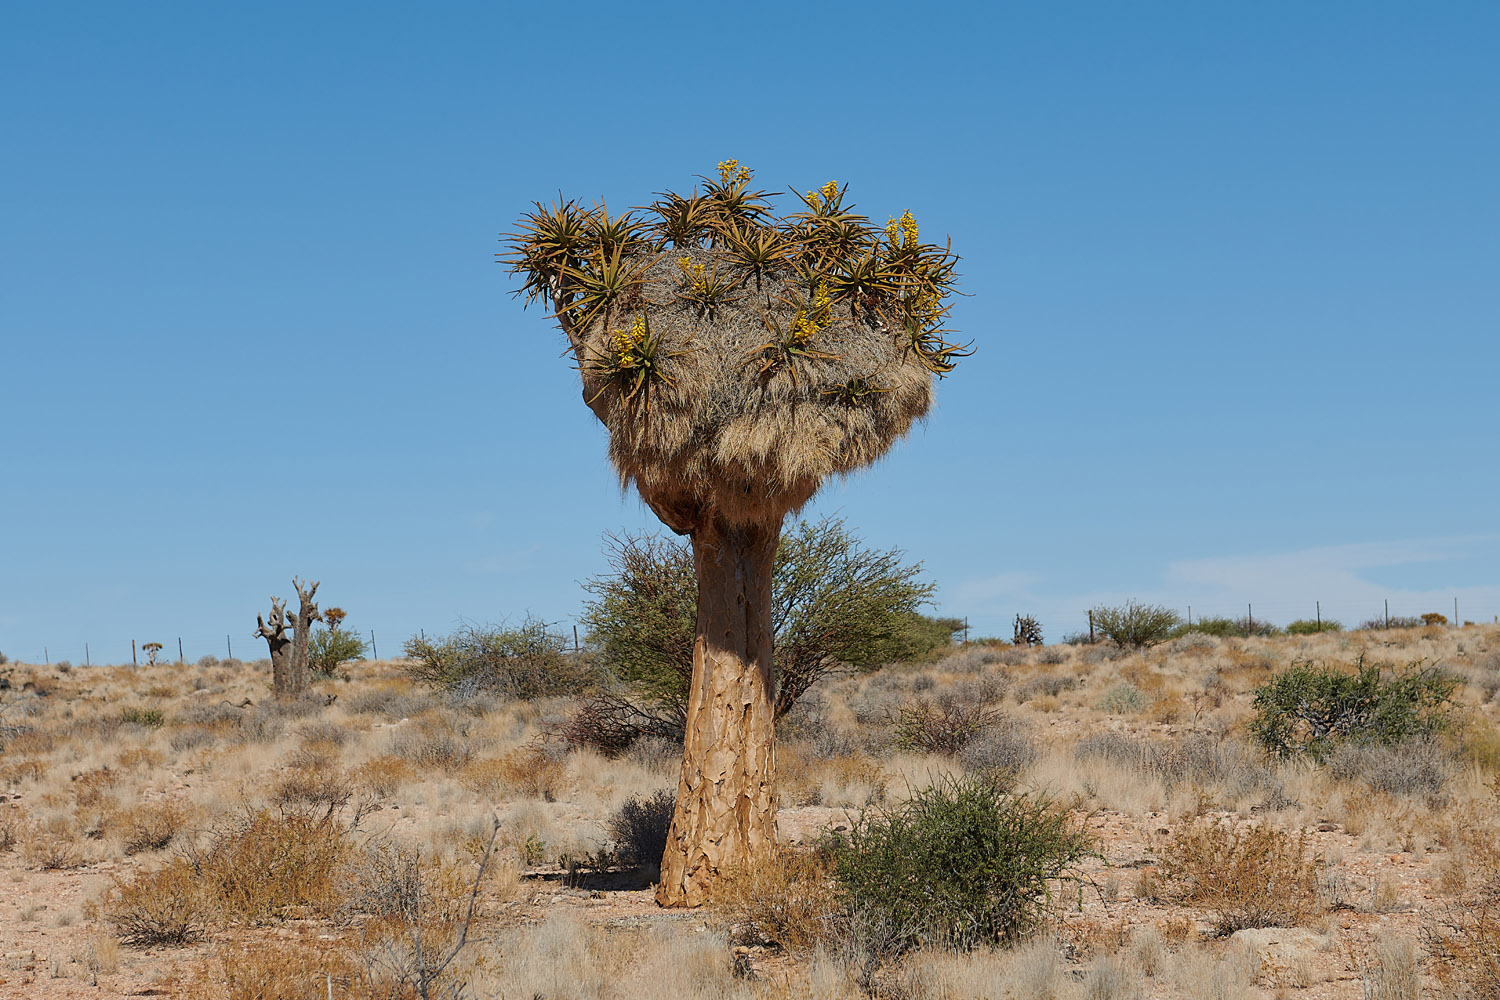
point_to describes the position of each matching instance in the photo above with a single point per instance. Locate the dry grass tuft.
(788, 901)
(164, 906)
(269, 864)
(148, 827)
(384, 775)
(1247, 876)
(273, 970)
(527, 772)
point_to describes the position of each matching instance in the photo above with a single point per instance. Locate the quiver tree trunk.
(299, 675)
(726, 798)
(273, 630)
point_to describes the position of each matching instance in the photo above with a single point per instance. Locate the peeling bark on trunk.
(299, 676)
(273, 630)
(726, 806)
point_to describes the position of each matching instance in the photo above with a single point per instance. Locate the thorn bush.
(1310, 709)
(961, 863)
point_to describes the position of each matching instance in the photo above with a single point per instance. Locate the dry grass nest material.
(743, 437)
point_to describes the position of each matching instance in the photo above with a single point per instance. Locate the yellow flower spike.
(729, 170)
(891, 231)
(814, 200)
(908, 229)
(830, 190)
(743, 174)
(683, 263)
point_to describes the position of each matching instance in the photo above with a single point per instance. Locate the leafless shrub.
(1414, 767)
(944, 727)
(808, 722)
(1197, 759)
(389, 702)
(318, 787)
(324, 731)
(1051, 655)
(149, 827)
(655, 754)
(192, 738)
(1004, 747)
(445, 744)
(1048, 685)
(220, 715)
(639, 828)
(610, 724)
(984, 689)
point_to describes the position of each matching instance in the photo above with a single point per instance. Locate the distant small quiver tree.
(738, 360)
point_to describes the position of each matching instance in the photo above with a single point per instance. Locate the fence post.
(1092, 640)
(86, 655)
(1387, 612)
(373, 651)
(1319, 605)
(133, 661)
(1249, 620)
(180, 658)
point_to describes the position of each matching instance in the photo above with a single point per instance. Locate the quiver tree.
(299, 674)
(273, 630)
(738, 360)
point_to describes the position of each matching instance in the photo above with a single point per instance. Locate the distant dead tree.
(302, 621)
(273, 630)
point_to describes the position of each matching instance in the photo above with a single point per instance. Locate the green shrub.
(524, 662)
(329, 647)
(1394, 621)
(961, 863)
(151, 718)
(1227, 628)
(1123, 699)
(1312, 709)
(1135, 626)
(834, 603)
(1311, 626)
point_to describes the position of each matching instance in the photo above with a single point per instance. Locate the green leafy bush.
(1226, 628)
(1135, 626)
(151, 718)
(1311, 709)
(834, 603)
(961, 863)
(1311, 626)
(1123, 699)
(329, 647)
(526, 661)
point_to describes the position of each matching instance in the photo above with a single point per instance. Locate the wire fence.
(1345, 614)
(197, 647)
(173, 649)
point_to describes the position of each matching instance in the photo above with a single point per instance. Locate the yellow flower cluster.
(730, 170)
(902, 232)
(693, 273)
(826, 193)
(806, 326)
(628, 343)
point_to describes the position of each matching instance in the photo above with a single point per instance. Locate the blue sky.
(1231, 273)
